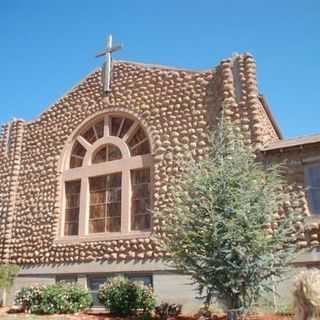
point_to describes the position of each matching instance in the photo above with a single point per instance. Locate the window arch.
(107, 180)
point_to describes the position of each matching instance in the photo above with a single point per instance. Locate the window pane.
(94, 283)
(75, 162)
(98, 183)
(114, 209)
(141, 222)
(90, 135)
(315, 198)
(114, 180)
(126, 126)
(113, 195)
(141, 149)
(97, 197)
(108, 153)
(99, 128)
(140, 201)
(100, 155)
(77, 154)
(114, 224)
(313, 180)
(140, 176)
(113, 152)
(97, 211)
(72, 200)
(71, 229)
(105, 203)
(72, 215)
(314, 174)
(115, 125)
(97, 226)
(142, 280)
(78, 149)
(137, 137)
(70, 279)
(72, 189)
(139, 143)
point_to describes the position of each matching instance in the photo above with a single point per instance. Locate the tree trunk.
(234, 314)
(4, 297)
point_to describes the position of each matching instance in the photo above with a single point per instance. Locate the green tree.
(224, 228)
(8, 273)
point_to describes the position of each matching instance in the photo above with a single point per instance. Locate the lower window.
(70, 279)
(94, 282)
(145, 280)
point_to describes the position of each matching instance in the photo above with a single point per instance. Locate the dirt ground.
(84, 316)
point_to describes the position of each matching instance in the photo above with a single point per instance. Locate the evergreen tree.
(224, 228)
(8, 272)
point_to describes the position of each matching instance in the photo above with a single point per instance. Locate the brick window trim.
(125, 166)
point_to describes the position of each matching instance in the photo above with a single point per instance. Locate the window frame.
(106, 276)
(307, 178)
(124, 165)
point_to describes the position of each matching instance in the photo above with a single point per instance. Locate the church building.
(78, 183)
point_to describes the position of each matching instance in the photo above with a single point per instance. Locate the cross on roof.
(106, 75)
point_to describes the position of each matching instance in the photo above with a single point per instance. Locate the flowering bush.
(307, 295)
(123, 297)
(56, 298)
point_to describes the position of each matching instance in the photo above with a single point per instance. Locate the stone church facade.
(77, 183)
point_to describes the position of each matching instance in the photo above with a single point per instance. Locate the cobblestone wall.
(176, 107)
(293, 162)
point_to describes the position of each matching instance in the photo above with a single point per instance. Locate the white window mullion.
(84, 205)
(125, 201)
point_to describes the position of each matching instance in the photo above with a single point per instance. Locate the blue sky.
(49, 46)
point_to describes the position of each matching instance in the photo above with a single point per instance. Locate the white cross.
(106, 80)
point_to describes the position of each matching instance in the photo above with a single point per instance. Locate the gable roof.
(267, 109)
(291, 143)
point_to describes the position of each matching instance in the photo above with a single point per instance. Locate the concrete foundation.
(169, 285)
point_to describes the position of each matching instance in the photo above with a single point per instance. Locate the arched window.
(107, 180)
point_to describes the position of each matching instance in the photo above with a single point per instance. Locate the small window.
(313, 187)
(139, 143)
(72, 207)
(94, 284)
(77, 155)
(69, 279)
(94, 133)
(145, 280)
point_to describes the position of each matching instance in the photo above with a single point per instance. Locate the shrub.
(8, 273)
(56, 298)
(124, 298)
(307, 295)
(29, 297)
(166, 310)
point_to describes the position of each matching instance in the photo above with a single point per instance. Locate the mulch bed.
(103, 316)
